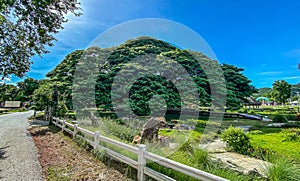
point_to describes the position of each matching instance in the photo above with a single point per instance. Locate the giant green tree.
(106, 64)
(281, 91)
(238, 86)
(56, 91)
(27, 27)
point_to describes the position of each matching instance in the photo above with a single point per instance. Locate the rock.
(241, 163)
(216, 146)
(173, 146)
(254, 171)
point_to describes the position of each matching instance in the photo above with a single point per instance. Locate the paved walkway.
(18, 155)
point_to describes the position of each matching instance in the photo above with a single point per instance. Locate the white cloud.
(291, 77)
(270, 73)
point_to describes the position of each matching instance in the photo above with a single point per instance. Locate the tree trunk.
(50, 116)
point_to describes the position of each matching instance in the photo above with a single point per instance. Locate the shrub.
(255, 132)
(22, 109)
(251, 112)
(187, 147)
(71, 115)
(292, 134)
(280, 119)
(236, 139)
(262, 153)
(63, 109)
(122, 131)
(243, 110)
(197, 156)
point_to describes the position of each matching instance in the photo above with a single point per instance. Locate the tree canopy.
(119, 60)
(281, 91)
(60, 80)
(27, 28)
(23, 91)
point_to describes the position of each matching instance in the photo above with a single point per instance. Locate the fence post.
(75, 130)
(141, 162)
(63, 125)
(96, 139)
(54, 121)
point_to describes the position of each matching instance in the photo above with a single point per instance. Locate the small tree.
(42, 98)
(281, 91)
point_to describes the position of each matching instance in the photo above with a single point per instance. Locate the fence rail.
(140, 150)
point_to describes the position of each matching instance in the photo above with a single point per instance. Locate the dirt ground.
(62, 159)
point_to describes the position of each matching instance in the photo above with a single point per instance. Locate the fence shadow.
(3, 152)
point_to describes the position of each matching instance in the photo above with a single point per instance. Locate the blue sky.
(263, 37)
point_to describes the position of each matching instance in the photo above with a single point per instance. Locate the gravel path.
(18, 154)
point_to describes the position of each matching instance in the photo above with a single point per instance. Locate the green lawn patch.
(277, 143)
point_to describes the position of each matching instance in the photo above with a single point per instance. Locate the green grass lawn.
(274, 141)
(243, 122)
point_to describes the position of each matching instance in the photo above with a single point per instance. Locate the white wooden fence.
(140, 150)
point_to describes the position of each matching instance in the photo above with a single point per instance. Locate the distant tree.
(26, 89)
(281, 91)
(27, 27)
(263, 92)
(295, 90)
(8, 92)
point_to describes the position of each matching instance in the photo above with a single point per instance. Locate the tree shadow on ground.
(42, 132)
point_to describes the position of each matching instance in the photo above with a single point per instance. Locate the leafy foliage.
(238, 86)
(42, 96)
(118, 60)
(292, 134)
(281, 91)
(60, 81)
(280, 119)
(236, 139)
(263, 92)
(143, 89)
(23, 91)
(284, 170)
(27, 27)
(26, 89)
(8, 92)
